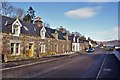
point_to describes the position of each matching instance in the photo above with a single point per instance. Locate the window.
(15, 48)
(6, 23)
(12, 48)
(42, 47)
(56, 48)
(16, 27)
(42, 33)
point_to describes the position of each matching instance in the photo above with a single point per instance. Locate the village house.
(78, 43)
(24, 40)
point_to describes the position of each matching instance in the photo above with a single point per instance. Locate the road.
(98, 64)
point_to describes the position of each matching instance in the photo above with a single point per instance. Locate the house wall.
(49, 43)
(0, 42)
(61, 46)
(8, 38)
(75, 47)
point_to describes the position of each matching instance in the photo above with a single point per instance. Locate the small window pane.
(12, 48)
(17, 47)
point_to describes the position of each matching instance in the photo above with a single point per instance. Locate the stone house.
(79, 43)
(75, 42)
(21, 40)
(84, 44)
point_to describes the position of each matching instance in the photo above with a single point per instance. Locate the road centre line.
(101, 66)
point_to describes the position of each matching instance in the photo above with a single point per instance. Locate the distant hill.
(113, 42)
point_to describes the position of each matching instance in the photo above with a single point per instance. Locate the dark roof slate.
(8, 27)
(32, 29)
(60, 35)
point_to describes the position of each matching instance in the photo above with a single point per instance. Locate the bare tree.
(8, 10)
(17, 12)
(5, 7)
(20, 12)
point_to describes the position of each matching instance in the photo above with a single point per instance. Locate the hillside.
(113, 42)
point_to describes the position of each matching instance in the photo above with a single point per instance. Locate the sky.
(98, 20)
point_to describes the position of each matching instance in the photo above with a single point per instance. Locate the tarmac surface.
(98, 64)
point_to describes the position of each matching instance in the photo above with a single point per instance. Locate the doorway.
(31, 49)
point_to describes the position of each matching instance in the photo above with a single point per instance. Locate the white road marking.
(101, 66)
(107, 69)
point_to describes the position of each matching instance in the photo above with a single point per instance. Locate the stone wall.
(0, 42)
(36, 41)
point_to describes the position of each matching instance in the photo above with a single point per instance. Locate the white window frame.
(16, 22)
(43, 47)
(42, 32)
(14, 49)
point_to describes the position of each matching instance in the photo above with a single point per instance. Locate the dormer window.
(56, 35)
(42, 33)
(6, 22)
(16, 27)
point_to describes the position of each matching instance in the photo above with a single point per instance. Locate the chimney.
(61, 29)
(38, 22)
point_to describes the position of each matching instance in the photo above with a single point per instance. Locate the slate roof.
(8, 27)
(32, 29)
(60, 35)
(64, 34)
(49, 32)
(70, 37)
(9, 22)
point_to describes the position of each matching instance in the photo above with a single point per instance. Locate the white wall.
(75, 47)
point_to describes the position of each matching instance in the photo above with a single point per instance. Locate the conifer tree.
(30, 15)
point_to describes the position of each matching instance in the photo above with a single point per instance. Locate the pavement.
(95, 65)
(111, 67)
(11, 64)
(117, 54)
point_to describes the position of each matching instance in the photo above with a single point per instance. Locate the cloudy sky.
(98, 20)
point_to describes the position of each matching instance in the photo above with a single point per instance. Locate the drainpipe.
(24, 46)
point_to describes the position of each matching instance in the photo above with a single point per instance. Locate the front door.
(31, 50)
